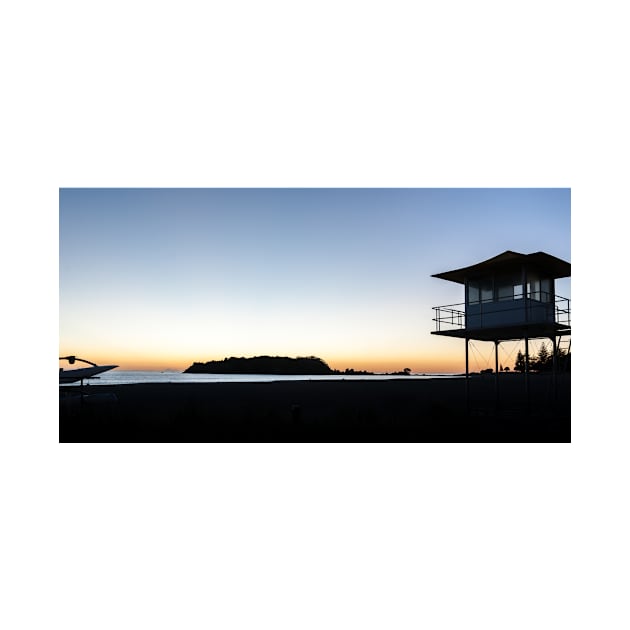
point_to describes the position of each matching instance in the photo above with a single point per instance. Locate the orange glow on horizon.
(435, 363)
(443, 355)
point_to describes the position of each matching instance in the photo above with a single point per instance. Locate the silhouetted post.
(496, 372)
(527, 372)
(554, 368)
(296, 413)
(467, 382)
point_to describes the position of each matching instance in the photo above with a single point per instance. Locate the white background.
(313, 536)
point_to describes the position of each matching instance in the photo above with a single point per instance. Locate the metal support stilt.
(496, 372)
(554, 368)
(527, 372)
(467, 382)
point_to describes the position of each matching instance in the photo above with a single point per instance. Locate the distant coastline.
(274, 365)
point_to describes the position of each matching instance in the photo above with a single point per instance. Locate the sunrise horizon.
(157, 279)
(160, 364)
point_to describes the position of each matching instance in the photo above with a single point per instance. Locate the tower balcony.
(537, 315)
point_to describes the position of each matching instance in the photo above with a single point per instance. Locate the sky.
(160, 278)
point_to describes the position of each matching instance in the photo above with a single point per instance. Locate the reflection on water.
(129, 377)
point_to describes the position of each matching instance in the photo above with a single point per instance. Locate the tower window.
(473, 293)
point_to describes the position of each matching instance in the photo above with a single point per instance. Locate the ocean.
(130, 377)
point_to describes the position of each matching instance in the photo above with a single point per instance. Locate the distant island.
(262, 365)
(274, 365)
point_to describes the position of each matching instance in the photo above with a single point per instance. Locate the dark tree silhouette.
(543, 361)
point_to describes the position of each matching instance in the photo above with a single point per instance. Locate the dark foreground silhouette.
(401, 410)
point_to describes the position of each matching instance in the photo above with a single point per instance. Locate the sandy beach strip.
(401, 410)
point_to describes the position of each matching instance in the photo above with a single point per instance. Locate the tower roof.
(509, 261)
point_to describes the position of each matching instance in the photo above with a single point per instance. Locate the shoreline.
(357, 410)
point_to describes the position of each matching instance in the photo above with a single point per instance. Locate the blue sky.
(158, 278)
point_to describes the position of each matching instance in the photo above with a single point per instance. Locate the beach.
(399, 410)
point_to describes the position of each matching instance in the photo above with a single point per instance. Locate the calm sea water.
(128, 377)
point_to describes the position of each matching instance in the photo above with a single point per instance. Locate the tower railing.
(563, 311)
(449, 318)
(453, 316)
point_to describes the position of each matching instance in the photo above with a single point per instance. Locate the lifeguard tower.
(509, 297)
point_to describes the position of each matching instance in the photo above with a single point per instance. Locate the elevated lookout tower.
(509, 297)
